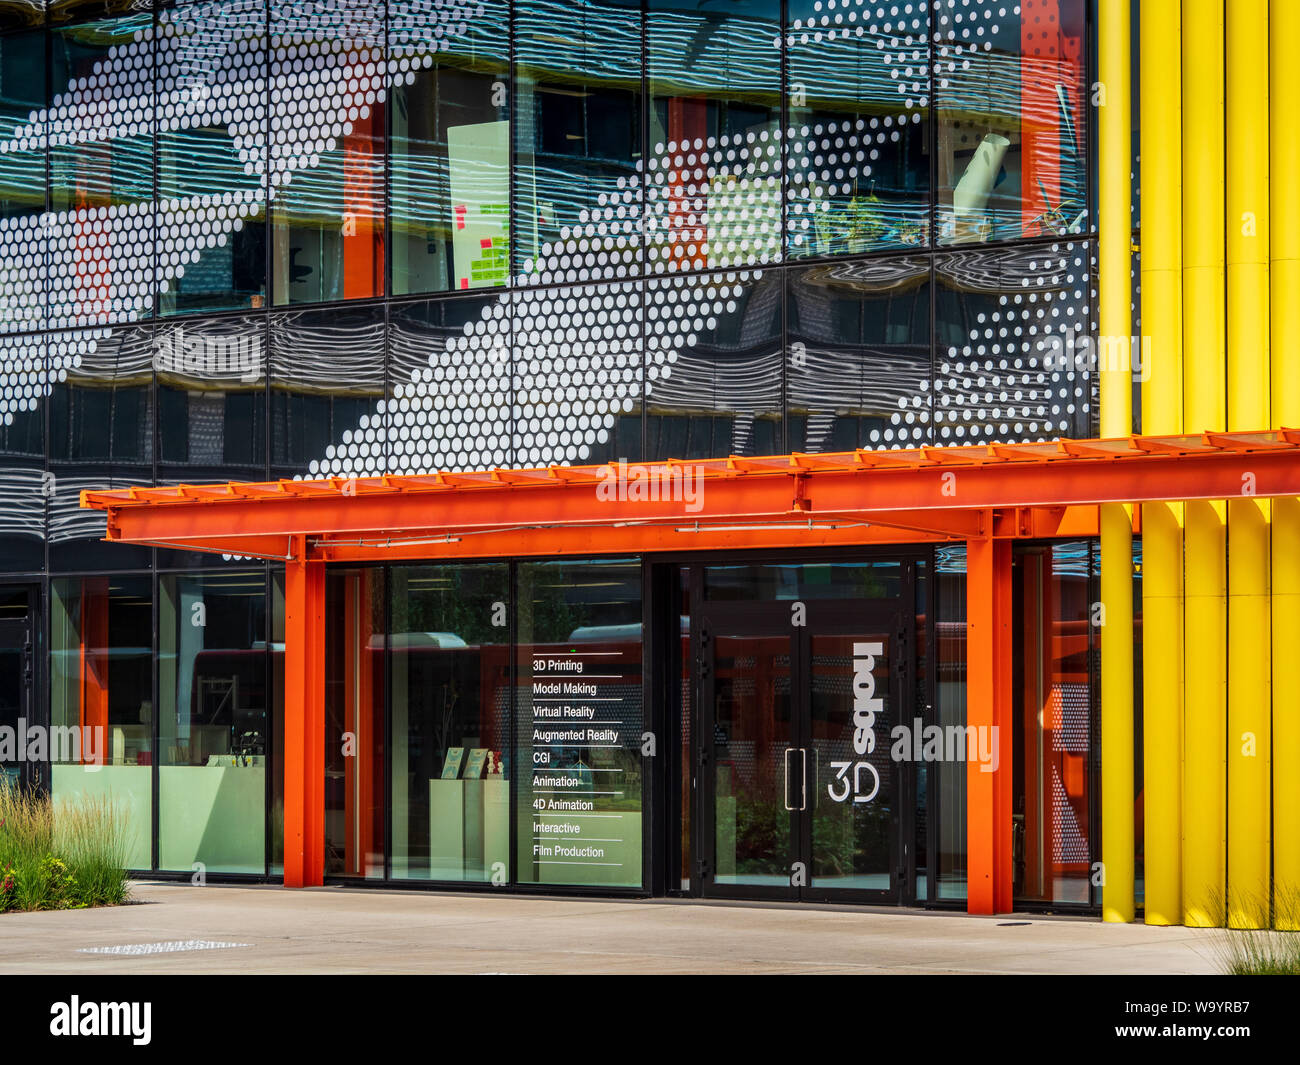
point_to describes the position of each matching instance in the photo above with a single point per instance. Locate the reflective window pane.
(90, 169)
(449, 386)
(714, 367)
(102, 411)
(1012, 345)
(211, 377)
(858, 360)
(24, 291)
(24, 485)
(328, 99)
(578, 723)
(77, 10)
(1010, 88)
(858, 161)
(354, 722)
(21, 14)
(713, 180)
(101, 435)
(211, 64)
(452, 763)
(578, 138)
(450, 151)
(578, 388)
(101, 171)
(327, 377)
(22, 95)
(214, 728)
(101, 696)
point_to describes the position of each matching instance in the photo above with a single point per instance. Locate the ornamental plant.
(67, 855)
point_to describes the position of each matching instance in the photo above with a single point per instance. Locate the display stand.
(469, 828)
(447, 829)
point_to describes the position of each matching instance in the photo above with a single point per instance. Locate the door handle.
(803, 779)
(786, 787)
(816, 774)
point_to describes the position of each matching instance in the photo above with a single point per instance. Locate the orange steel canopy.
(997, 491)
(985, 495)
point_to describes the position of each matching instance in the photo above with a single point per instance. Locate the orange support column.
(988, 724)
(304, 720)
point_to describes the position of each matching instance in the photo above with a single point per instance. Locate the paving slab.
(340, 930)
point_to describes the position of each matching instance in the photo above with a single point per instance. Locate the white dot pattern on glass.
(594, 320)
(204, 64)
(1017, 376)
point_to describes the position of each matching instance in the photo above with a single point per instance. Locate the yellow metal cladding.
(1160, 77)
(1205, 633)
(1221, 581)
(1249, 784)
(1117, 840)
(1205, 715)
(1249, 630)
(1286, 710)
(1116, 390)
(1284, 277)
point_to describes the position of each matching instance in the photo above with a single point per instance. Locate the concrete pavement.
(336, 930)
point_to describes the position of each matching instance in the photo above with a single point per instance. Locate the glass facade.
(214, 722)
(948, 807)
(217, 259)
(1011, 155)
(580, 724)
(1053, 775)
(449, 149)
(101, 688)
(707, 232)
(354, 726)
(858, 162)
(449, 664)
(252, 240)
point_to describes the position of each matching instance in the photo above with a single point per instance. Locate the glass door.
(751, 780)
(855, 822)
(800, 797)
(15, 691)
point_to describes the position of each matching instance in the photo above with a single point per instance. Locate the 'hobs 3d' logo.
(860, 778)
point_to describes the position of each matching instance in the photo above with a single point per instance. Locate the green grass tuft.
(1260, 940)
(1258, 952)
(61, 857)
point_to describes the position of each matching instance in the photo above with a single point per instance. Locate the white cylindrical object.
(971, 196)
